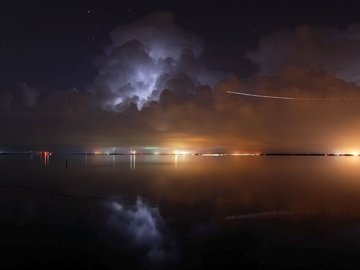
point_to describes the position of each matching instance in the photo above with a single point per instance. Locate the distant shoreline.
(174, 154)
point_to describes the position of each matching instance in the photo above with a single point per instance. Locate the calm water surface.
(179, 212)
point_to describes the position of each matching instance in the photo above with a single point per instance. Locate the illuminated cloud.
(209, 118)
(312, 47)
(145, 58)
(152, 89)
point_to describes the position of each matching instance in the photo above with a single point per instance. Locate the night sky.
(139, 73)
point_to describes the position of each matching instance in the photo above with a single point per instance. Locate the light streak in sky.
(292, 98)
(260, 96)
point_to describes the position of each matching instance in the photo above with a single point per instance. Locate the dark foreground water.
(176, 212)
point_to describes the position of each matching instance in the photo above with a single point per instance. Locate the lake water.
(179, 212)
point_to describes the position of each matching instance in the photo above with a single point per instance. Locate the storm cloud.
(145, 58)
(153, 89)
(332, 50)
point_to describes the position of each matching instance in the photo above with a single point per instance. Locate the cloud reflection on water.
(144, 229)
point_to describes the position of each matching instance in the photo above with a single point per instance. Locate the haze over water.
(180, 211)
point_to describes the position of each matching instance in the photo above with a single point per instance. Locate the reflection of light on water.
(176, 160)
(270, 214)
(45, 156)
(180, 155)
(132, 159)
(144, 228)
(352, 161)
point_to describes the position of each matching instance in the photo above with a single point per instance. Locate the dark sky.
(55, 43)
(156, 73)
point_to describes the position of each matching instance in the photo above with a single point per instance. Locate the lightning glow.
(142, 61)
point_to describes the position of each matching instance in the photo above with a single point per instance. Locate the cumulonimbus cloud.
(151, 90)
(325, 49)
(145, 58)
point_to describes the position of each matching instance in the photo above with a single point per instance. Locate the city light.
(181, 152)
